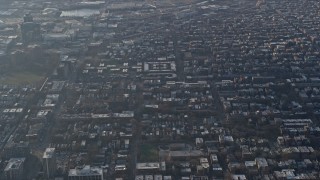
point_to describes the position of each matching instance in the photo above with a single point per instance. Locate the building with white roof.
(49, 162)
(14, 169)
(85, 173)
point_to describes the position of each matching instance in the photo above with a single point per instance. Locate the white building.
(14, 169)
(86, 173)
(49, 162)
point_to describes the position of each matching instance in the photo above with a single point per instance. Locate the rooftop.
(85, 171)
(14, 163)
(48, 153)
(149, 165)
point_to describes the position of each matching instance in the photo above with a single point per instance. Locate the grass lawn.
(148, 153)
(21, 78)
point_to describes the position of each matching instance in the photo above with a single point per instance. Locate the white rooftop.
(48, 153)
(85, 171)
(14, 163)
(149, 165)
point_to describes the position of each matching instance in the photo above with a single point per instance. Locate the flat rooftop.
(48, 153)
(148, 165)
(14, 163)
(85, 171)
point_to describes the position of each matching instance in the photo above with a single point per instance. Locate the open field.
(21, 78)
(148, 152)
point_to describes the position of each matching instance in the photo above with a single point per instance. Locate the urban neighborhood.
(160, 90)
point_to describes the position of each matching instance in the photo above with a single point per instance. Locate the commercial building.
(30, 31)
(14, 169)
(49, 162)
(85, 173)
